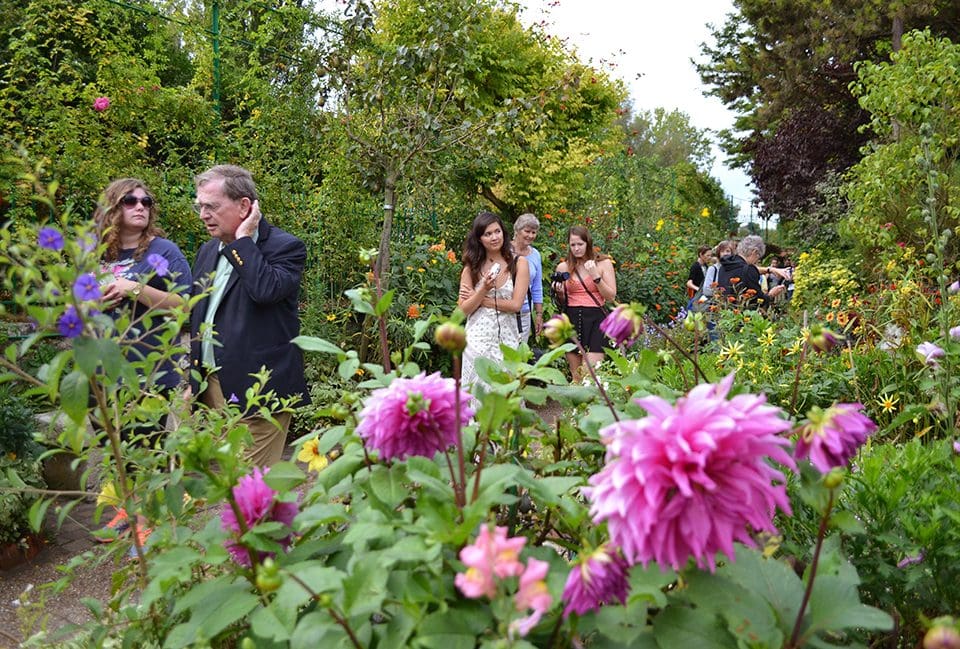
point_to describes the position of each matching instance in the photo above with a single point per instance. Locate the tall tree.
(782, 65)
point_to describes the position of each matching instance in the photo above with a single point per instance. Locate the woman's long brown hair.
(109, 214)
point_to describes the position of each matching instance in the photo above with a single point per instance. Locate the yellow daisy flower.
(887, 403)
(310, 453)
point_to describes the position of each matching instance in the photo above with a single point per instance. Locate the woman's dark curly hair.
(474, 253)
(109, 214)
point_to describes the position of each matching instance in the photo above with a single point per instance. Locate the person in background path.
(525, 231)
(145, 275)
(493, 288)
(697, 272)
(586, 281)
(740, 275)
(250, 317)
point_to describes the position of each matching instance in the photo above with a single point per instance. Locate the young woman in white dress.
(493, 286)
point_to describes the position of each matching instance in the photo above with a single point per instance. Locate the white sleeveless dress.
(487, 329)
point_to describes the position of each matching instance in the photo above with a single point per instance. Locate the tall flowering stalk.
(559, 330)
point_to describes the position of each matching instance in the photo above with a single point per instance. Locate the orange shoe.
(119, 524)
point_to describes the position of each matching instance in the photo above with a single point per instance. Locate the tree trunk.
(383, 256)
(897, 42)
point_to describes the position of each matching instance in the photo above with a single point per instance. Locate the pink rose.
(100, 104)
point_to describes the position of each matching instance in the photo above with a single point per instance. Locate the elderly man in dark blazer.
(249, 317)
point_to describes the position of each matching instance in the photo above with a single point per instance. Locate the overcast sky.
(651, 44)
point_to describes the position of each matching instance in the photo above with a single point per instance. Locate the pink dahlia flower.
(599, 578)
(491, 555)
(100, 104)
(623, 325)
(413, 417)
(257, 504)
(689, 479)
(533, 594)
(832, 436)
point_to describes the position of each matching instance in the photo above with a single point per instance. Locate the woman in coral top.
(586, 280)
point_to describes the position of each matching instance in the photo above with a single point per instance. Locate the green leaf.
(38, 510)
(284, 476)
(313, 344)
(266, 623)
(213, 606)
(770, 579)
(74, 395)
(678, 627)
(364, 589)
(846, 522)
(748, 616)
(389, 485)
(383, 304)
(835, 605)
(86, 353)
(313, 578)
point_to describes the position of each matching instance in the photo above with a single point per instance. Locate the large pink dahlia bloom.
(689, 479)
(832, 436)
(415, 416)
(257, 504)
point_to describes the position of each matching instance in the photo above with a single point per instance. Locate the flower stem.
(339, 619)
(796, 378)
(589, 366)
(459, 487)
(821, 533)
(696, 366)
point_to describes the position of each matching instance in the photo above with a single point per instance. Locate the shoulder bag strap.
(592, 296)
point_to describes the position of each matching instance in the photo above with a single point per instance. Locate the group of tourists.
(731, 271)
(248, 275)
(501, 290)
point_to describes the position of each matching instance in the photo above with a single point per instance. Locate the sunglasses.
(130, 201)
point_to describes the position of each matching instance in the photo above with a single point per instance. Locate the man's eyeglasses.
(199, 208)
(131, 201)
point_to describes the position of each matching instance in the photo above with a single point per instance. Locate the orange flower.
(734, 280)
(548, 217)
(842, 318)
(451, 256)
(657, 307)
(413, 311)
(829, 317)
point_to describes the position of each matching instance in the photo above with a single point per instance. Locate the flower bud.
(942, 635)
(451, 337)
(833, 479)
(558, 330)
(822, 339)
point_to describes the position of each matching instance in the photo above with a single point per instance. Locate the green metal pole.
(215, 31)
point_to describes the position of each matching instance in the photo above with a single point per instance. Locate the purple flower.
(910, 560)
(929, 353)
(257, 504)
(689, 479)
(100, 104)
(50, 238)
(956, 447)
(415, 416)
(623, 325)
(955, 332)
(599, 578)
(233, 398)
(86, 287)
(70, 325)
(955, 287)
(832, 436)
(159, 263)
(822, 339)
